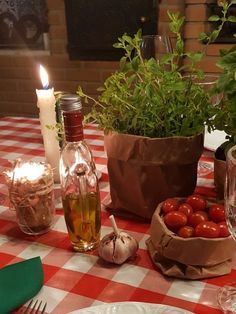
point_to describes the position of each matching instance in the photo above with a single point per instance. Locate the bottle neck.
(73, 126)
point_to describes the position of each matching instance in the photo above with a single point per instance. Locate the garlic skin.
(117, 248)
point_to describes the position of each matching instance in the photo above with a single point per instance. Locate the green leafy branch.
(210, 38)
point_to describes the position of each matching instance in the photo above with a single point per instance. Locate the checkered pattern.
(73, 280)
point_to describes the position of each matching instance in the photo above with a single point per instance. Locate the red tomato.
(186, 232)
(197, 217)
(207, 229)
(169, 205)
(224, 231)
(175, 220)
(217, 212)
(186, 209)
(197, 202)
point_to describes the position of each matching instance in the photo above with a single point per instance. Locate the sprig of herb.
(225, 117)
(212, 36)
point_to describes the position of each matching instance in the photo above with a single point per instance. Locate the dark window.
(93, 26)
(23, 24)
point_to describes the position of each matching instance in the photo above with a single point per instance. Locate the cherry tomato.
(207, 229)
(169, 205)
(197, 202)
(186, 209)
(224, 231)
(217, 212)
(175, 220)
(197, 217)
(186, 232)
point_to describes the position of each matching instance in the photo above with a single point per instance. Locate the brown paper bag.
(190, 258)
(219, 177)
(145, 171)
(173, 268)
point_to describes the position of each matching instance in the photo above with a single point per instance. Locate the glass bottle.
(79, 183)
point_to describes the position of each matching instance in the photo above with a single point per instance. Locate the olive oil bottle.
(79, 183)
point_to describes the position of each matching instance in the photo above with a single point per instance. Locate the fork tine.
(44, 308)
(30, 303)
(28, 307)
(36, 308)
(32, 310)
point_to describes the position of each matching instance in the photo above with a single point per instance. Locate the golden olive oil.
(83, 220)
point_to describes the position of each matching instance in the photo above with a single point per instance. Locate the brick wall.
(19, 73)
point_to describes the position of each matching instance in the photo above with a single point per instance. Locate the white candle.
(47, 116)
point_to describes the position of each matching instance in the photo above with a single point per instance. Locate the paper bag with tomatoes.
(190, 242)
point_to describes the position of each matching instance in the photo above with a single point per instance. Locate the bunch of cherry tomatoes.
(193, 217)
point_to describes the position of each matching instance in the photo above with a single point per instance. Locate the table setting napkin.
(19, 282)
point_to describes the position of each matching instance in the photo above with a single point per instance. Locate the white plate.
(130, 308)
(214, 139)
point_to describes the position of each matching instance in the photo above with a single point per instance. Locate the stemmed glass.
(208, 82)
(227, 294)
(155, 46)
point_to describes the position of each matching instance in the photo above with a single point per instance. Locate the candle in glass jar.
(31, 193)
(47, 116)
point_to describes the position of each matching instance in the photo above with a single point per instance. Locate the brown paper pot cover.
(190, 258)
(144, 171)
(219, 177)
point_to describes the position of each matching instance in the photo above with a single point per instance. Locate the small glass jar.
(31, 192)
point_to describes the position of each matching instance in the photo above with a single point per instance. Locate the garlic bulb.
(117, 247)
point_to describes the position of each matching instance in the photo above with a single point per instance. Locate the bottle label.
(73, 125)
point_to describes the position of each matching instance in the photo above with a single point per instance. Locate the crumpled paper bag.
(189, 258)
(144, 171)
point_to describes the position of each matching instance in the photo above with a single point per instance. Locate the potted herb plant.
(153, 117)
(225, 117)
(225, 114)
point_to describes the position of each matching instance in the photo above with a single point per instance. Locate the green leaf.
(117, 45)
(214, 18)
(202, 36)
(213, 35)
(135, 63)
(179, 46)
(228, 61)
(100, 89)
(232, 18)
(166, 58)
(195, 56)
(122, 62)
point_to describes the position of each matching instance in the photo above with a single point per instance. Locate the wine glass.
(208, 83)
(227, 293)
(155, 46)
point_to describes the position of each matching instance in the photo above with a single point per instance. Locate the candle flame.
(30, 171)
(43, 76)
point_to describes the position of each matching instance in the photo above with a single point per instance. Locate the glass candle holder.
(31, 193)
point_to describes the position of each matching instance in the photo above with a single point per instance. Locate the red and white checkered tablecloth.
(74, 280)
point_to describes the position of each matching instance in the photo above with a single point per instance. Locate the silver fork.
(36, 307)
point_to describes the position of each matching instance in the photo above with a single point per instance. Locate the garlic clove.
(106, 247)
(121, 251)
(132, 243)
